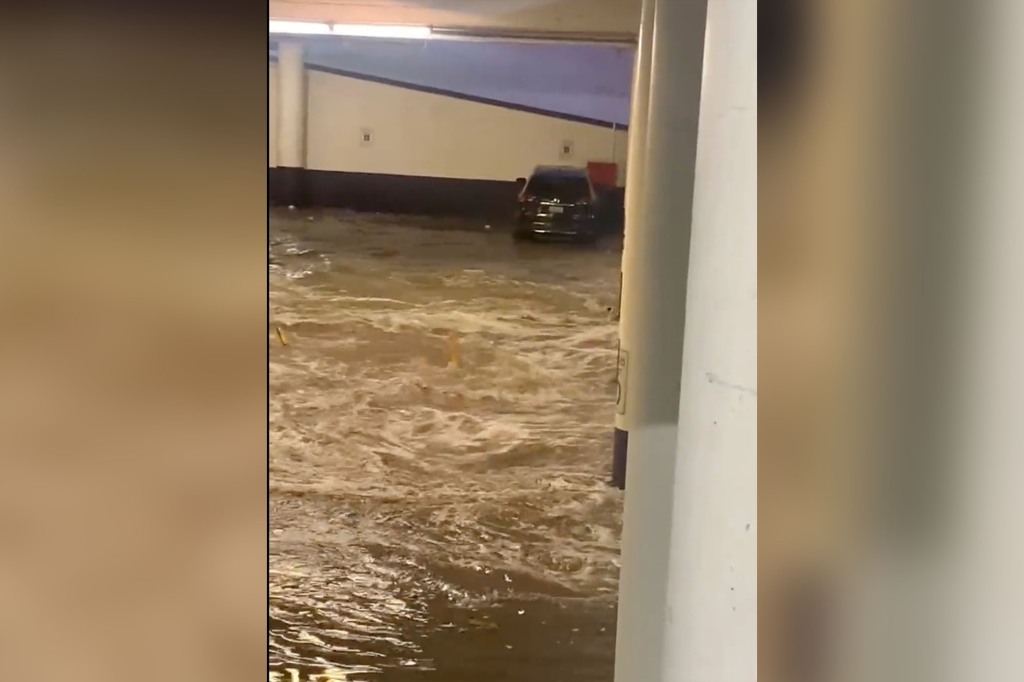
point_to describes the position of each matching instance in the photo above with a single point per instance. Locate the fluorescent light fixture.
(300, 27)
(382, 31)
(359, 30)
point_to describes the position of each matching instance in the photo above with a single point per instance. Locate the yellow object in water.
(454, 355)
(280, 336)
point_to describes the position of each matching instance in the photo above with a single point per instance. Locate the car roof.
(562, 171)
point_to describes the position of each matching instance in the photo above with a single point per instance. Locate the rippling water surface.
(440, 424)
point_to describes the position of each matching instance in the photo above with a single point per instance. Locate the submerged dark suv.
(557, 202)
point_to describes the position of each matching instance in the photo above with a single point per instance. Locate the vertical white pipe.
(651, 327)
(711, 612)
(291, 107)
(615, 143)
(636, 158)
(636, 151)
(272, 117)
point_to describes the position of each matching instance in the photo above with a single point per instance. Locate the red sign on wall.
(603, 174)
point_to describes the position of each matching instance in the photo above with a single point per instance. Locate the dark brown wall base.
(286, 186)
(489, 200)
(399, 194)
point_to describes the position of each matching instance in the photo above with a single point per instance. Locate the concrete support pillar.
(654, 270)
(688, 590)
(636, 160)
(657, 239)
(291, 117)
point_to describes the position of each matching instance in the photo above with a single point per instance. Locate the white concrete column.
(654, 267)
(688, 591)
(657, 235)
(712, 594)
(291, 118)
(636, 159)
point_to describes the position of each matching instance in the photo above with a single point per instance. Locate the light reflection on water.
(440, 425)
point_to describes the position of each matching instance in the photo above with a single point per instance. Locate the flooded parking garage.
(441, 403)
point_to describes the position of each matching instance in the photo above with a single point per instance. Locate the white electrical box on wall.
(365, 137)
(566, 150)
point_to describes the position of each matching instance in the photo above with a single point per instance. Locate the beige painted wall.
(422, 134)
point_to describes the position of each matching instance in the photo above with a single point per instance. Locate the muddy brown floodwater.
(441, 406)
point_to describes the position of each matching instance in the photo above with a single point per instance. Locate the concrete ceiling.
(605, 20)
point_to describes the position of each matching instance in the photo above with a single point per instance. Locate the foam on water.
(440, 426)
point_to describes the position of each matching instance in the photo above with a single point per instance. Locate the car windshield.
(563, 188)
